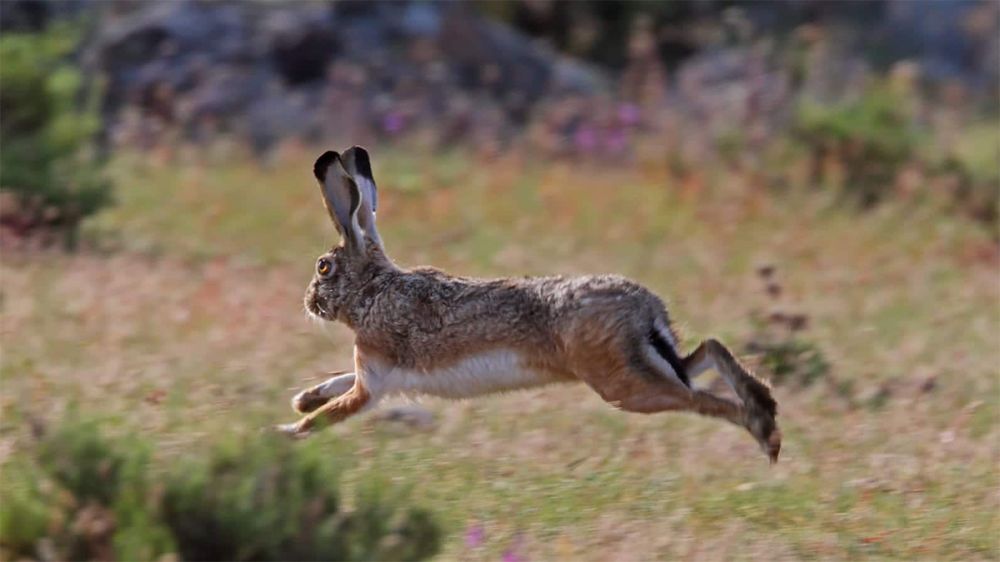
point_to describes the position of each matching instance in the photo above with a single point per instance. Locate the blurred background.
(815, 183)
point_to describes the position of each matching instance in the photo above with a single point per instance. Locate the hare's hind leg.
(664, 398)
(642, 382)
(667, 397)
(759, 406)
(312, 398)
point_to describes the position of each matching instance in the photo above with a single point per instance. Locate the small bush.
(277, 501)
(870, 139)
(77, 493)
(51, 180)
(971, 168)
(81, 496)
(86, 464)
(792, 359)
(787, 356)
(27, 511)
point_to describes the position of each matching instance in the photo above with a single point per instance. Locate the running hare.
(423, 331)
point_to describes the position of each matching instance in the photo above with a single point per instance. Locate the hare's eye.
(323, 266)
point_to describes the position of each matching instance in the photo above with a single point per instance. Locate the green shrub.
(383, 531)
(786, 356)
(277, 501)
(78, 495)
(45, 164)
(87, 465)
(871, 138)
(86, 494)
(791, 360)
(27, 511)
(972, 164)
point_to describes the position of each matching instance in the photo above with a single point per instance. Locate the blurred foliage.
(864, 145)
(790, 359)
(275, 501)
(786, 356)
(45, 163)
(870, 138)
(82, 496)
(27, 510)
(972, 166)
(600, 31)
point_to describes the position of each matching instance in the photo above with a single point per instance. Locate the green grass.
(199, 298)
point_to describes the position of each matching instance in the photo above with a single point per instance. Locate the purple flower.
(585, 138)
(475, 536)
(615, 141)
(393, 122)
(512, 554)
(628, 114)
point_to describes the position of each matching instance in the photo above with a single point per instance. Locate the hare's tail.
(663, 343)
(658, 354)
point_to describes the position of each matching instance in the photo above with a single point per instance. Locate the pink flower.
(585, 138)
(475, 536)
(628, 114)
(513, 554)
(393, 122)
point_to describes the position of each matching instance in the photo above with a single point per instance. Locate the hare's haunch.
(423, 331)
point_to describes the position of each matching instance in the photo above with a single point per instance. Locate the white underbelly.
(475, 375)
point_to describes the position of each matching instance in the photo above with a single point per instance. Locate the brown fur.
(425, 318)
(594, 328)
(588, 328)
(760, 407)
(336, 409)
(312, 398)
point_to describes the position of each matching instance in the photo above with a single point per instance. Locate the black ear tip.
(323, 164)
(362, 161)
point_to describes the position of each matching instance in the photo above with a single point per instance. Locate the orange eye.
(323, 267)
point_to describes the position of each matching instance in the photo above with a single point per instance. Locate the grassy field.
(185, 322)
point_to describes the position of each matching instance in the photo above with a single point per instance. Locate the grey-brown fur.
(423, 317)
(604, 330)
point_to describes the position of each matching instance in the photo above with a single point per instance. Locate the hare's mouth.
(314, 305)
(321, 310)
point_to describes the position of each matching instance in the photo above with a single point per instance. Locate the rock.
(268, 71)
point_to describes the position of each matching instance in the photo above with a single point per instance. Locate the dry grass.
(193, 327)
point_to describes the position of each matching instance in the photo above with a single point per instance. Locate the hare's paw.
(308, 401)
(761, 424)
(293, 430)
(313, 398)
(773, 445)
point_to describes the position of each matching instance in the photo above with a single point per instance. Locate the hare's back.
(607, 310)
(426, 318)
(612, 297)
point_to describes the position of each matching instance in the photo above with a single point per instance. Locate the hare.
(423, 331)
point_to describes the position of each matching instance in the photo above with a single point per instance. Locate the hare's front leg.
(312, 398)
(335, 410)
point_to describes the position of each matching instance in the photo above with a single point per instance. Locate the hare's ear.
(341, 197)
(359, 166)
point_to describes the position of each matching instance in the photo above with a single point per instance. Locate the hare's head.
(350, 196)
